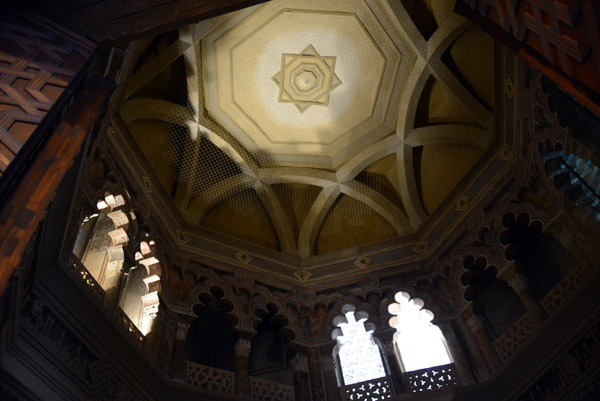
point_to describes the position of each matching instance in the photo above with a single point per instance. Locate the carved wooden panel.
(38, 59)
(560, 37)
(26, 205)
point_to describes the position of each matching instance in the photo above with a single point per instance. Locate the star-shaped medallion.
(306, 79)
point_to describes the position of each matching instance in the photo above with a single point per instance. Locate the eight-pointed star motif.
(306, 78)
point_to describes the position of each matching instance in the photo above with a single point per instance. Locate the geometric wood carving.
(38, 59)
(560, 38)
(25, 206)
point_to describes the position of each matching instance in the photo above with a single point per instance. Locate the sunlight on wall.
(359, 356)
(420, 343)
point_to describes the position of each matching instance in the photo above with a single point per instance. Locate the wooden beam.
(115, 22)
(27, 202)
(568, 53)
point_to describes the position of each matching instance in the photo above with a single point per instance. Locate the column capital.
(242, 347)
(474, 322)
(518, 282)
(299, 363)
(182, 330)
(388, 348)
(328, 363)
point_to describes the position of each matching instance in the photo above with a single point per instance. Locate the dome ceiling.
(312, 127)
(340, 66)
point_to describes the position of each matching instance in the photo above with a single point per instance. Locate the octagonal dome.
(305, 130)
(251, 65)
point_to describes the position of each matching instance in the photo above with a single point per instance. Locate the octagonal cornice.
(418, 233)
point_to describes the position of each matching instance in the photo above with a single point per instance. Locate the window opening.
(420, 343)
(359, 356)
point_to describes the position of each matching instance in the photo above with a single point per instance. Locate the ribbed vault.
(431, 118)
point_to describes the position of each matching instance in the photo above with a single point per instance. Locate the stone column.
(519, 283)
(328, 368)
(476, 325)
(299, 365)
(392, 364)
(178, 364)
(463, 372)
(167, 343)
(331, 388)
(315, 375)
(242, 377)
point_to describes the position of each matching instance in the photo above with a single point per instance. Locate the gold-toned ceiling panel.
(342, 230)
(228, 219)
(297, 200)
(262, 109)
(152, 138)
(437, 180)
(472, 55)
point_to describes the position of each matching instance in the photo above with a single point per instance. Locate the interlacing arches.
(305, 320)
(247, 302)
(405, 219)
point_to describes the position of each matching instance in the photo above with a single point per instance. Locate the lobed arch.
(400, 297)
(371, 364)
(534, 255)
(491, 297)
(125, 264)
(418, 343)
(250, 303)
(210, 336)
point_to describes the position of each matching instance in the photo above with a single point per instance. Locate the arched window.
(420, 343)
(359, 356)
(103, 248)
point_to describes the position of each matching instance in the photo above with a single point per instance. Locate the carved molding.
(34, 76)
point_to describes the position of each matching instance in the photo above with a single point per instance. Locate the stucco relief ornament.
(306, 79)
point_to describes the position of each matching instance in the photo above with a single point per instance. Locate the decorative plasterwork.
(414, 61)
(306, 78)
(246, 50)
